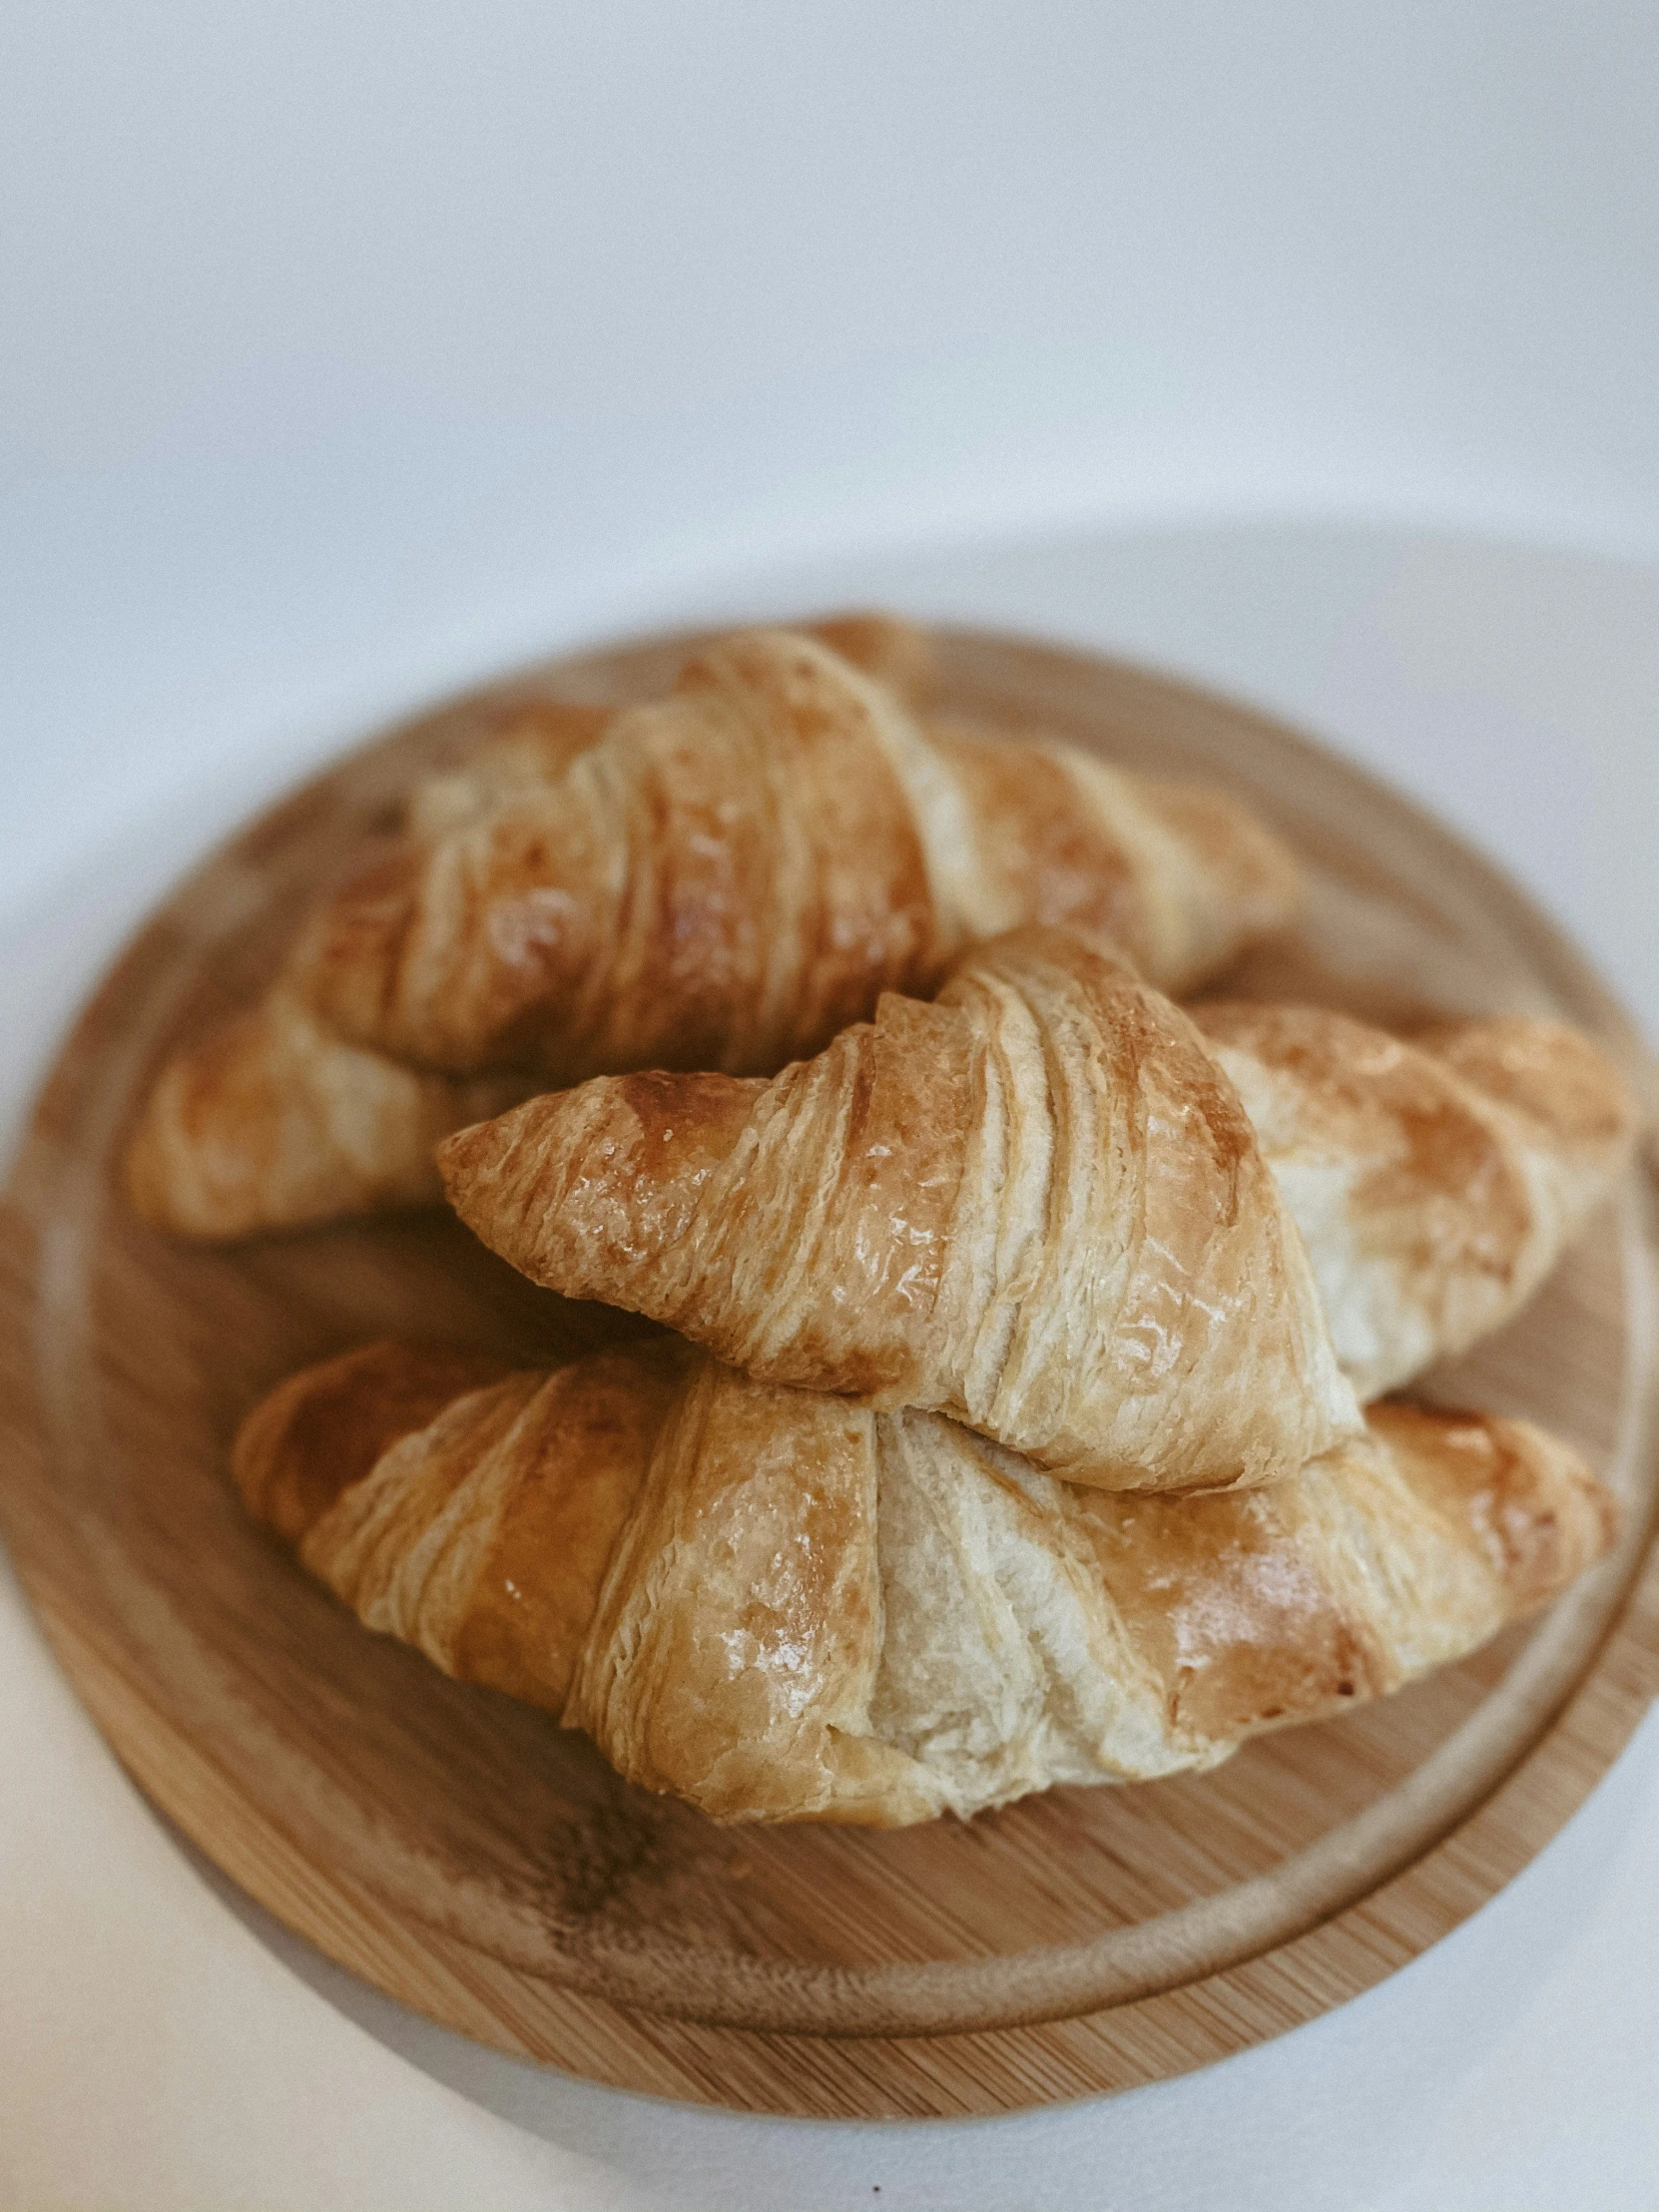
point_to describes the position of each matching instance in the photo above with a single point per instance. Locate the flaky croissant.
(722, 879)
(1035, 1204)
(1039, 1206)
(783, 1607)
(733, 873)
(1435, 1182)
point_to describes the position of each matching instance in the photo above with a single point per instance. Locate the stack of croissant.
(1016, 1410)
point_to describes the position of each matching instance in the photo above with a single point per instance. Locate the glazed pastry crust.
(275, 1123)
(733, 874)
(1435, 1182)
(783, 1607)
(1035, 1204)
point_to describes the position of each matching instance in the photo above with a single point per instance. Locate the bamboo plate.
(465, 1855)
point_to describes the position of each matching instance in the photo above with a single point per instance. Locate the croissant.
(724, 879)
(733, 873)
(1435, 1183)
(783, 1607)
(1041, 1206)
(1035, 1204)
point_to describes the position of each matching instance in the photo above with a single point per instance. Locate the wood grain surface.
(467, 1855)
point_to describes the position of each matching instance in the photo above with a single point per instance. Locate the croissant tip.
(472, 1167)
(322, 1429)
(461, 1153)
(177, 1174)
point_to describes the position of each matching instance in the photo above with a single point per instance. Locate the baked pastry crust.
(783, 1607)
(1053, 1207)
(733, 873)
(274, 1122)
(1035, 1204)
(1436, 1180)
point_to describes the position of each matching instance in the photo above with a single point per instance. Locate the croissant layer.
(783, 1607)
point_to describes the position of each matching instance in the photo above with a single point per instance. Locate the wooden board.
(468, 1856)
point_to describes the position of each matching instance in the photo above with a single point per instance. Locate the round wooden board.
(465, 1855)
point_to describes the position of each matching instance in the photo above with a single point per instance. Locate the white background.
(350, 351)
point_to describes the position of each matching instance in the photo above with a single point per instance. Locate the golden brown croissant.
(1435, 1183)
(1035, 1204)
(783, 1607)
(722, 879)
(733, 873)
